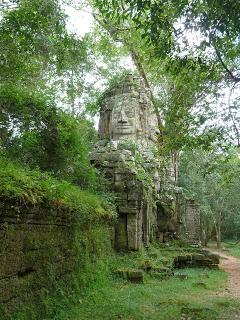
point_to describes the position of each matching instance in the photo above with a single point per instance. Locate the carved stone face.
(128, 113)
(124, 120)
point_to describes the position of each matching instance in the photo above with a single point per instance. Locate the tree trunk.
(218, 235)
(113, 32)
(142, 73)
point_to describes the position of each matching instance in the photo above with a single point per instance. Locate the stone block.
(122, 273)
(132, 232)
(196, 260)
(135, 276)
(127, 210)
(160, 272)
(121, 236)
(214, 258)
(181, 276)
(134, 204)
(119, 187)
(135, 195)
(121, 196)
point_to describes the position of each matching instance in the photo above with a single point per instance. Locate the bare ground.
(232, 266)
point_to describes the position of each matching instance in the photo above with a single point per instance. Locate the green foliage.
(36, 188)
(37, 134)
(31, 36)
(155, 299)
(22, 110)
(39, 60)
(211, 179)
(164, 24)
(38, 52)
(183, 101)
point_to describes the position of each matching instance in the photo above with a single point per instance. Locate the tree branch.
(234, 121)
(142, 73)
(232, 76)
(113, 33)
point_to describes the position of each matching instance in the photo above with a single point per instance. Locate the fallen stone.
(135, 276)
(181, 276)
(203, 259)
(121, 273)
(200, 285)
(161, 273)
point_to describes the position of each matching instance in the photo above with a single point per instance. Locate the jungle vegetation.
(52, 81)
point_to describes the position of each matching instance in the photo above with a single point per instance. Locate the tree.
(181, 80)
(206, 31)
(165, 23)
(37, 54)
(212, 179)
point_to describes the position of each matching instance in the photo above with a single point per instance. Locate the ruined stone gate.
(128, 131)
(126, 153)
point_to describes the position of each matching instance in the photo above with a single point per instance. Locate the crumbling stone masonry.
(128, 132)
(189, 224)
(38, 251)
(191, 221)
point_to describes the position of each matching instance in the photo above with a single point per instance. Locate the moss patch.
(54, 242)
(33, 187)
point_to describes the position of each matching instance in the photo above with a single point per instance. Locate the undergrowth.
(233, 248)
(188, 294)
(35, 187)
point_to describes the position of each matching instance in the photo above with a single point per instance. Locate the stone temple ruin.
(126, 152)
(189, 214)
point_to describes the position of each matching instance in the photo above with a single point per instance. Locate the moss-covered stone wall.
(40, 246)
(49, 241)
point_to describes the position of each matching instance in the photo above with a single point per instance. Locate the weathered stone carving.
(128, 113)
(191, 221)
(189, 225)
(127, 130)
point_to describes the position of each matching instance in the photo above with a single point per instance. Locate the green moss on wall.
(26, 186)
(54, 242)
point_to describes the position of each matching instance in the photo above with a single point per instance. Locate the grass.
(168, 299)
(190, 294)
(25, 186)
(233, 249)
(193, 298)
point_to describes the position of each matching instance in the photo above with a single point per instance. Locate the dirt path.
(232, 266)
